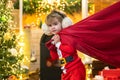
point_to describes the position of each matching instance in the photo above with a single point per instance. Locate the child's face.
(54, 26)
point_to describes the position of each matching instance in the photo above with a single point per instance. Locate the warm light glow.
(21, 78)
(53, 1)
(10, 4)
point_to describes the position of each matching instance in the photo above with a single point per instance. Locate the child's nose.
(53, 26)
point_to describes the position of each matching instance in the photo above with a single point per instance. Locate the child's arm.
(52, 49)
(65, 48)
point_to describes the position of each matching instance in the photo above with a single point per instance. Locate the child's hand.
(48, 63)
(56, 38)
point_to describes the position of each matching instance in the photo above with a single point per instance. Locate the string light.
(44, 7)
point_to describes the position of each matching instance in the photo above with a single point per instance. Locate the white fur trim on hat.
(66, 22)
(45, 29)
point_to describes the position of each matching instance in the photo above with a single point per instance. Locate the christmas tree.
(10, 57)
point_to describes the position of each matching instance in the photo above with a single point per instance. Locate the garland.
(41, 6)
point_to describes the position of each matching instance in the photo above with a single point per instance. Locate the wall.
(35, 46)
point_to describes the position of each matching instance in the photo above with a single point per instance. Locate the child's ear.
(46, 29)
(66, 22)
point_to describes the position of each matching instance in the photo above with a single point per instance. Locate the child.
(47, 67)
(71, 65)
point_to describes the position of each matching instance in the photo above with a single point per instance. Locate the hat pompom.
(66, 22)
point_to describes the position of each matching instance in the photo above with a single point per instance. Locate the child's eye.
(49, 25)
(55, 23)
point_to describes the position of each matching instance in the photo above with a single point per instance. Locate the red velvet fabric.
(98, 35)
